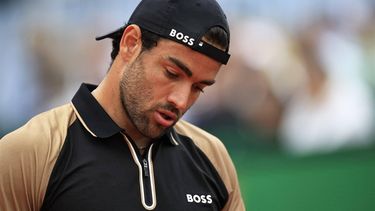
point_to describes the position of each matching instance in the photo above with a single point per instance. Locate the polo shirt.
(75, 157)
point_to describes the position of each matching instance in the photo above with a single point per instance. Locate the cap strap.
(213, 52)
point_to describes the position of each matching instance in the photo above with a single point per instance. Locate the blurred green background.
(274, 180)
(336, 182)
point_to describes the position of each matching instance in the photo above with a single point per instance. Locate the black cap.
(183, 21)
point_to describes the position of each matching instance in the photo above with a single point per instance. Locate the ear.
(131, 43)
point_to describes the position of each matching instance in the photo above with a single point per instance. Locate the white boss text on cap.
(180, 36)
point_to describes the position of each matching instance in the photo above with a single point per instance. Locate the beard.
(136, 95)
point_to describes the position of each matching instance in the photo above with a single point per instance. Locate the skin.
(142, 88)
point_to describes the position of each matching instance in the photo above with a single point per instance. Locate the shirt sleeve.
(20, 187)
(27, 157)
(221, 160)
(235, 201)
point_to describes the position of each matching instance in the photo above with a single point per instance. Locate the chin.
(158, 133)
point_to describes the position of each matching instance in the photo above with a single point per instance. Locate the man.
(121, 145)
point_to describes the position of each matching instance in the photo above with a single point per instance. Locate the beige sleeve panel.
(219, 157)
(27, 157)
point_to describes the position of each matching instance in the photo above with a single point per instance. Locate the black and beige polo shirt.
(75, 157)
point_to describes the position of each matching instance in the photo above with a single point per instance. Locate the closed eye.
(170, 74)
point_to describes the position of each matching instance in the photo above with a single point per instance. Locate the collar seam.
(82, 121)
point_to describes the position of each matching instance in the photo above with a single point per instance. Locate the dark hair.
(215, 36)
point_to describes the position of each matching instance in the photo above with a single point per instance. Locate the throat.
(142, 151)
(141, 143)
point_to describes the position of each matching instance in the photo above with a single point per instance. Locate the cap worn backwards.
(183, 21)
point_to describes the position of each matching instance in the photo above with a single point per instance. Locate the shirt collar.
(91, 113)
(94, 118)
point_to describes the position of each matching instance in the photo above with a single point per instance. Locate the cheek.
(158, 85)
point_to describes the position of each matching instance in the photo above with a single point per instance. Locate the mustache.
(171, 108)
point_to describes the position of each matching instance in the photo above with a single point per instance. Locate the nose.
(179, 97)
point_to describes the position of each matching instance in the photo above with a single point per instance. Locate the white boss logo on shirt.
(182, 37)
(204, 199)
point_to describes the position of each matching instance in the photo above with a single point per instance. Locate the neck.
(108, 96)
(140, 146)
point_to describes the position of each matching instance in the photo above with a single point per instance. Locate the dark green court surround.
(273, 181)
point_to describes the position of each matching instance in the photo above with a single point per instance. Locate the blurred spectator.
(62, 58)
(334, 109)
(45, 62)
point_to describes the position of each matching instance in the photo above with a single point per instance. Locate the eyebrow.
(187, 71)
(181, 65)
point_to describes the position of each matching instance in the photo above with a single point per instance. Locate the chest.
(112, 175)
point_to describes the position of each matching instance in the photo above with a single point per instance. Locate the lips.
(165, 118)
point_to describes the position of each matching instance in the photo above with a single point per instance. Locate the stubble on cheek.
(136, 95)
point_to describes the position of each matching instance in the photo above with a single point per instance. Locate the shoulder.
(42, 135)
(207, 142)
(218, 155)
(27, 157)
(44, 126)
(211, 146)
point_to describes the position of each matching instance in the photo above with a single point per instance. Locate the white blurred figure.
(335, 109)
